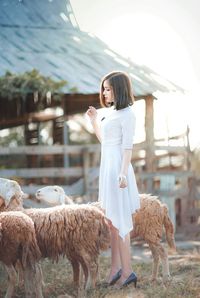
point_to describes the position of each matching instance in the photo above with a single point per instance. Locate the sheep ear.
(62, 198)
(8, 200)
(6, 203)
(68, 200)
(11, 199)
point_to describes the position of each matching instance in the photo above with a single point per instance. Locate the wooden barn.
(45, 36)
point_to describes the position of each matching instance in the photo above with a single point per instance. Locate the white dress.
(117, 132)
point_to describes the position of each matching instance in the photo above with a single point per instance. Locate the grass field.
(184, 268)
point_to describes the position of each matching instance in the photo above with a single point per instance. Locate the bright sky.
(148, 39)
(154, 43)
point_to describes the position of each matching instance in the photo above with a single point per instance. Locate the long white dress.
(117, 132)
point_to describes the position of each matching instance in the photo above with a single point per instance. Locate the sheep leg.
(155, 255)
(40, 274)
(93, 271)
(85, 270)
(39, 281)
(20, 272)
(33, 281)
(165, 263)
(76, 271)
(12, 276)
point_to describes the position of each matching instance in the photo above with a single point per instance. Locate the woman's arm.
(126, 159)
(92, 113)
(128, 131)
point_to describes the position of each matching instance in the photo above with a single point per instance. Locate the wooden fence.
(84, 176)
(80, 174)
(81, 178)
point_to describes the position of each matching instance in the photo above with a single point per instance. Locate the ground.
(184, 268)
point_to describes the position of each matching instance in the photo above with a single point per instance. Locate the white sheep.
(10, 189)
(19, 249)
(148, 223)
(53, 195)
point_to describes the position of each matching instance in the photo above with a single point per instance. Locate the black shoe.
(132, 278)
(116, 277)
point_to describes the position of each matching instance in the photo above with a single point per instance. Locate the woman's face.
(108, 93)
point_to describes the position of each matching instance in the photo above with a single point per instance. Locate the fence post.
(86, 167)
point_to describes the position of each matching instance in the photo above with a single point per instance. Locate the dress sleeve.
(128, 130)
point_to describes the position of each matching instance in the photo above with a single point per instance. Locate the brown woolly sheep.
(77, 232)
(18, 248)
(148, 223)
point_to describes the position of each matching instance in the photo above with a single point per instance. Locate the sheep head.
(53, 194)
(10, 190)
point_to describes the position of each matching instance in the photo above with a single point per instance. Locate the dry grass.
(185, 271)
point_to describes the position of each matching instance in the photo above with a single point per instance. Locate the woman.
(118, 192)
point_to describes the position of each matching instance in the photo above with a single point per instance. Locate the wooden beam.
(45, 149)
(78, 149)
(77, 172)
(57, 149)
(26, 119)
(177, 174)
(42, 172)
(171, 149)
(19, 112)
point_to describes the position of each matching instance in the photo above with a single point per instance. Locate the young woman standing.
(118, 191)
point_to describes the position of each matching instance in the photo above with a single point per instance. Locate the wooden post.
(188, 149)
(66, 142)
(86, 167)
(149, 185)
(149, 130)
(65, 133)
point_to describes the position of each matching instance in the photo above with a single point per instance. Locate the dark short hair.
(121, 87)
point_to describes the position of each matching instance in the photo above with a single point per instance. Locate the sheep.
(148, 224)
(18, 248)
(77, 232)
(10, 189)
(55, 197)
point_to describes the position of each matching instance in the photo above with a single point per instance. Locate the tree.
(20, 85)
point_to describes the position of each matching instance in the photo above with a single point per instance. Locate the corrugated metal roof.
(43, 34)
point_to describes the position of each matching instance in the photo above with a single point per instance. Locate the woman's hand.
(122, 181)
(92, 113)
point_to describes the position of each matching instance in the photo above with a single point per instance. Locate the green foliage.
(13, 139)
(12, 85)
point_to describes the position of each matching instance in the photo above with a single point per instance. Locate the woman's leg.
(115, 254)
(125, 257)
